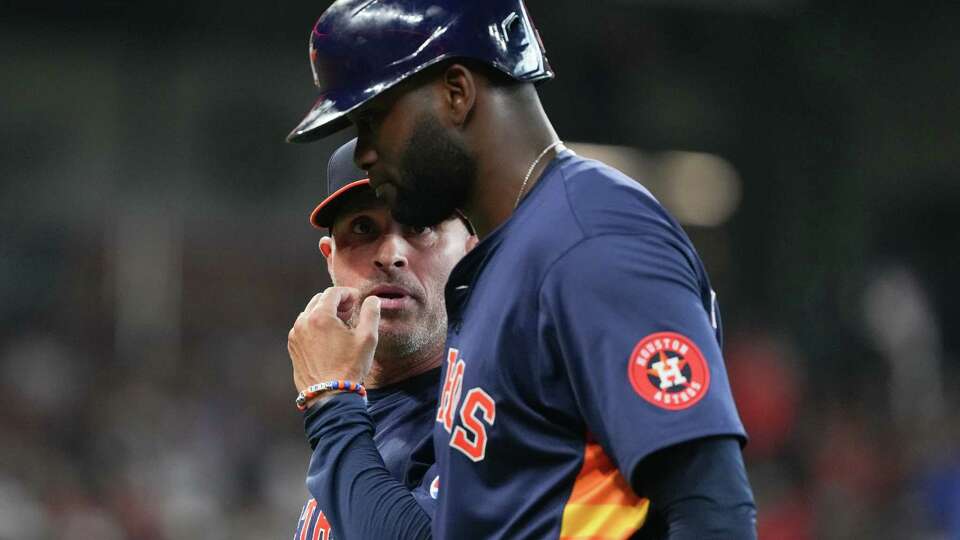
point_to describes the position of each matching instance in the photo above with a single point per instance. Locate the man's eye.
(417, 231)
(367, 120)
(361, 226)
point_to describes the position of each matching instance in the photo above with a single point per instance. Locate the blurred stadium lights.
(903, 325)
(699, 189)
(20, 513)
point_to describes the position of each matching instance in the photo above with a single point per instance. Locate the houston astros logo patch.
(669, 371)
(435, 488)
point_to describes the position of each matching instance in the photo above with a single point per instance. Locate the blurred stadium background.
(154, 248)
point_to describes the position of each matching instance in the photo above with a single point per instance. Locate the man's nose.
(392, 252)
(364, 156)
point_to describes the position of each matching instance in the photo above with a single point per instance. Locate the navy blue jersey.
(583, 337)
(402, 416)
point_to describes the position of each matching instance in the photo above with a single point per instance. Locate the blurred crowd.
(117, 429)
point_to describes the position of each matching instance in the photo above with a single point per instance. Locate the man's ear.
(459, 88)
(327, 247)
(472, 242)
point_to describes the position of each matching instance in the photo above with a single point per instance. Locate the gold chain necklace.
(533, 166)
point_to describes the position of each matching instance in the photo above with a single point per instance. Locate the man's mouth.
(386, 192)
(392, 298)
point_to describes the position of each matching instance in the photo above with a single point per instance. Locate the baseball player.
(584, 393)
(406, 267)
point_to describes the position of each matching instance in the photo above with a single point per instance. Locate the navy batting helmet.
(359, 48)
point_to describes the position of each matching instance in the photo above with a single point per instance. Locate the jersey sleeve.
(348, 479)
(625, 315)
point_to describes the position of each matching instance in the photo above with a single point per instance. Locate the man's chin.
(397, 340)
(394, 326)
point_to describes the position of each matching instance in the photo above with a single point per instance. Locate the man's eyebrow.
(357, 208)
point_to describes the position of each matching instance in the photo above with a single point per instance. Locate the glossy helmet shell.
(360, 48)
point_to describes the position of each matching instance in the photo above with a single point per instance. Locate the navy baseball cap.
(343, 177)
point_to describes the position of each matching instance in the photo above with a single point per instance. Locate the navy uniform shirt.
(402, 415)
(584, 336)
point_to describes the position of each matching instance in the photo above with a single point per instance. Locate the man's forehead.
(405, 88)
(360, 200)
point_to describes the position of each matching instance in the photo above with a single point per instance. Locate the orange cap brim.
(330, 198)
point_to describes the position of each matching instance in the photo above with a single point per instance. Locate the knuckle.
(316, 319)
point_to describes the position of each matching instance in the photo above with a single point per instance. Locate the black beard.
(437, 174)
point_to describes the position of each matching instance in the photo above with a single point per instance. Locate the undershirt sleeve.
(697, 490)
(348, 477)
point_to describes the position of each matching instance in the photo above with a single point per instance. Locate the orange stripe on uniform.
(601, 506)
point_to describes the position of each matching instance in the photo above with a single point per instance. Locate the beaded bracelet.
(339, 385)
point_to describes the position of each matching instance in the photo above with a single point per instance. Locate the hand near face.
(334, 337)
